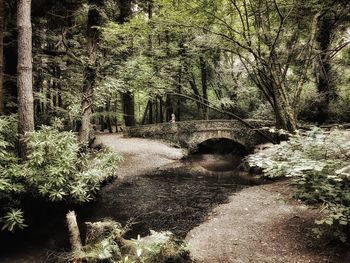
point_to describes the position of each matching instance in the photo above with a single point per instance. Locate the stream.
(176, 198)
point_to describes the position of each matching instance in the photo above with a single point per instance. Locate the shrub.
(55, 169)
(319, 164)
(11, 176)
(58, 171)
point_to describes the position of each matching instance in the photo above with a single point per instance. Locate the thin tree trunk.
(195, 90)
(145, 114)
(161, 117)
(203, 68)
(2, 28)
(150, 111)
(179, 90)
(109, 119)
(129, 108)
(127, 97)
(102, 120)
(169, 107)
(324, 80)
(25, 72)
(116, 113)
(90, 71)
(37, 87)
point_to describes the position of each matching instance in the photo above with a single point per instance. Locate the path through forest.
(258, 224)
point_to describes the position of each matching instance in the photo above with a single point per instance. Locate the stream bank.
(248, 221)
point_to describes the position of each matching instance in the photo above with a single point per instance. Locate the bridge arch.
(221, 146)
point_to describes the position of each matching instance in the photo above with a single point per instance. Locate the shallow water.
(175, 199)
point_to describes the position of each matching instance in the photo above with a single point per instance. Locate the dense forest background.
(136, 62)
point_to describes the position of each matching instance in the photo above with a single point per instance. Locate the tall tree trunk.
(129, 108)
(195, 90)
(25, 72)
(150, 111)
(169, 107)
(109, 119)
(179, 91)
(161, 118)
(324, 80)
(204, 77)
(127, 97)
(90, 71)
(145, 114)
(2, 28)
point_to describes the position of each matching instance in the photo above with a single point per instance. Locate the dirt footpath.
(140, 155)
(261, 224)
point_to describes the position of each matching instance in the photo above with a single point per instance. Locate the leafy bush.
(11, 176)
(320, 164)
(55, 169)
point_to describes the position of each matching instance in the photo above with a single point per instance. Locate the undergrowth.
(319, 163)
(55, 169)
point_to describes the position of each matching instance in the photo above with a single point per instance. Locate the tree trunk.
(74, 237)
(195, 90)
(145, 114)
(204, 78)
(109, 119)
(25, 74)
(324, 80)
(2, 14)
(129, 108)
(127, 97)
(285, 118)
(179, 90)
(90, 71)
(169, 107)
(161, 118)
(150, 111)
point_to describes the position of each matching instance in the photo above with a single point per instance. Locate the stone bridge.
(189, 134)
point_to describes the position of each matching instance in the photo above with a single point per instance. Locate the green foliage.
(319, 163)
(55, 169)
(106, 243)
(13, 219)
(11, 175)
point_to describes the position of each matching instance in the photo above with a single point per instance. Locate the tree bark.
(324, 80)
(195, 90)
(25, 71)
(145, 114)
(129, 108)
(109, 119)
(90, 71)
(127, 97)
(204, 78)
(2, 14)
(74, 237)
(150, 112)
(161, 118)
(179, 90)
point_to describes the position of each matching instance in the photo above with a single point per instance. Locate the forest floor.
(140, 155)
(258, 224)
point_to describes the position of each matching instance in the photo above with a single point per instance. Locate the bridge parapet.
(189, 134)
